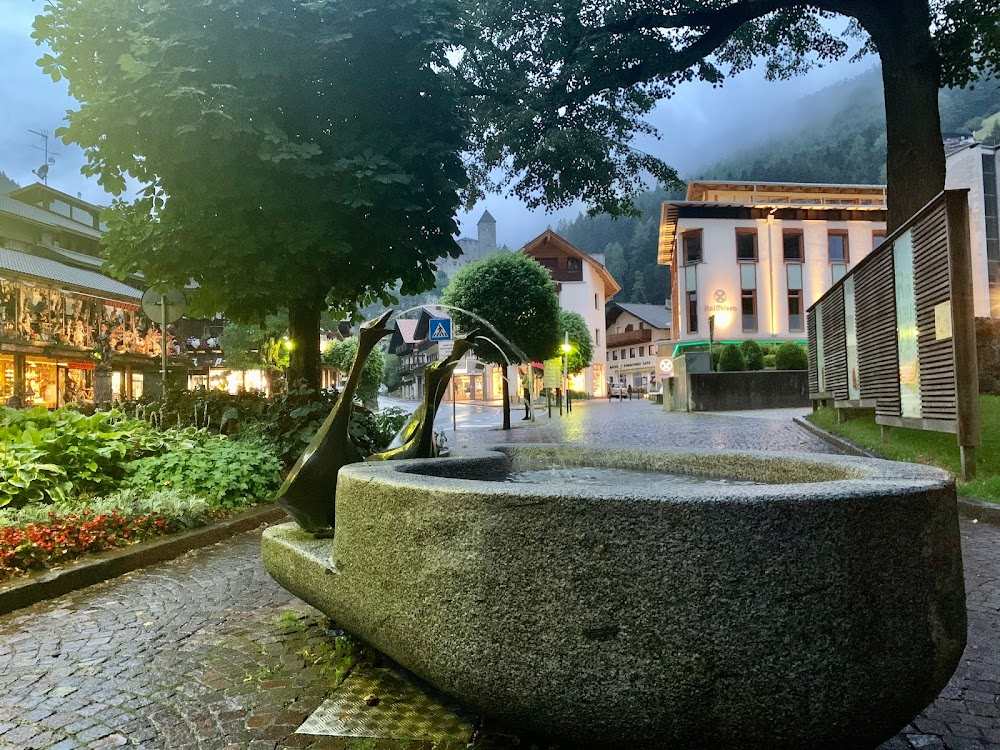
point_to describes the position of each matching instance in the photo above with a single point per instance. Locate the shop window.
(795, 317)
(692, 305)
(746, 245)
(837, 246)
(692, 247)
(792, 242)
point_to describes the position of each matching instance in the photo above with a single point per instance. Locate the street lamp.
(566, 349)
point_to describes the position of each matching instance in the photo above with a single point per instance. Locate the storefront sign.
(80, 365)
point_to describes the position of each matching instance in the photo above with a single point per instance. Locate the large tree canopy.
(289, 151)
(572, 79)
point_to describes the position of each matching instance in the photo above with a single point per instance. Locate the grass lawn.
(933, 448)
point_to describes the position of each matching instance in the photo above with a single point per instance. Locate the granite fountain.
(674, 599)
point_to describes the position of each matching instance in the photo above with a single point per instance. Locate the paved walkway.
(208, 652)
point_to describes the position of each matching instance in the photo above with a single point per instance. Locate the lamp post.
(566, 348)
(711, 337)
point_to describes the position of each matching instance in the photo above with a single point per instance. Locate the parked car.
(617, 389)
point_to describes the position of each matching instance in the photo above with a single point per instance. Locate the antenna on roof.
(42, 173)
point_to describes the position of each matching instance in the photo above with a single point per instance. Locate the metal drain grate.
(403, 710)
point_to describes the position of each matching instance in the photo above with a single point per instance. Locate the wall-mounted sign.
(942, 320)
(666, 367)
(720, 296)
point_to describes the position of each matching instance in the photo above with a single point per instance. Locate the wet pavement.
(206, 651)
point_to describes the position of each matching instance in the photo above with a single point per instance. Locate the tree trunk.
(303, 329)
(506, 398)
(911, 75)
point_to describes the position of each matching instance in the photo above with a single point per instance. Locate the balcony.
(630, 338)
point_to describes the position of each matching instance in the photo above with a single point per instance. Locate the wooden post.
(841, 416)
(963, 322)
(886, 433)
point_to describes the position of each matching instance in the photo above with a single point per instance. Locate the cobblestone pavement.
(206, 651)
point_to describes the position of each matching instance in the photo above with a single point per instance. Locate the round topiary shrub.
(731, 360)
(791, 357)
(769, 361)
(753, 355)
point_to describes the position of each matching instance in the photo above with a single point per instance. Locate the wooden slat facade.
(813, 370)
(835, 345)
(878, 358)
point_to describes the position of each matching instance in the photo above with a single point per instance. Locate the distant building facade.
(635, 335)
(750, 258)
(584, 286)
(474, 249)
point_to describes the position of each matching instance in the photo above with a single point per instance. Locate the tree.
(753, 355)
(582, 353)
(731, 359)
(515, 294)
(392, 378)
(639, 295)
(340, 354)
(288, 152)
(573, 82)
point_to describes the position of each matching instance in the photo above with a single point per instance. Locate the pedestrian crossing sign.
(440, 329)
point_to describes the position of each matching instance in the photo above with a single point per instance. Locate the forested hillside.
(7, 184)
(839, 137)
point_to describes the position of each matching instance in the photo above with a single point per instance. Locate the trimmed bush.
(769, 361)
(731, 360)
(791, 357)
(753, 355)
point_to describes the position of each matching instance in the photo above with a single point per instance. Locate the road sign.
(440, 329)
(666, 367)
(165, 307)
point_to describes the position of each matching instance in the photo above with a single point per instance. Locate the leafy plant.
(388, 423)
(770, 361)
(731, 360)
(180, 509)
(340, 354)
(26, 477)
(791, 357)
(753, 355)
(227, 473)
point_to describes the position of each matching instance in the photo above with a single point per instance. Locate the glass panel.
(838, 272)
(906, 328)
(838, 248)
(793, 247)
(749, 311)
(850, 318)
(746, 246)
(794, 276)
(748, 276)
(795, 319)
(692, 312)
(692, 247)
(691, 279)
(877, 239)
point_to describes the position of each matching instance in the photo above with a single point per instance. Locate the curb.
(969, 507)
(103, 566)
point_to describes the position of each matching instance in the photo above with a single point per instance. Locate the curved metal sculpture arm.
(309, 492)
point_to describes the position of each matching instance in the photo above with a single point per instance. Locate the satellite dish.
(52, 160)
(42, 171)
(164, 307)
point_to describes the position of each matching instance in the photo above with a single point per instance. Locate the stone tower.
(487, 234)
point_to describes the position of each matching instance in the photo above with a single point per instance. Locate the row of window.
(748, 297)
(792, 240)
(613, 354)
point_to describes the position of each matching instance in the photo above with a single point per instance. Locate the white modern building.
(976, 166)
(584, 286)
(747, 259)
(634, 336)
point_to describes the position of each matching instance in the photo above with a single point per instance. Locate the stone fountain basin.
(824, 609)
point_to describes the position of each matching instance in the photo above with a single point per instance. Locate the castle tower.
(487, 234)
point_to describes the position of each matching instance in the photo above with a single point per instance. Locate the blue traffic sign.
(440, 329)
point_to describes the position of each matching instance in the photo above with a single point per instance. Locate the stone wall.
(759, 389)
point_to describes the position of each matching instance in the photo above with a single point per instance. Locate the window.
(597, 336)
(836, 242)
(837, 272)
(642, 351)
(878, 237)
(596, 307)
(746, 245)
(692, 247)
(748, 296)
(573, 265)
(614, 355)
(631, 353)
(641, 325)
(692, 302)
(749, 308)
(792, 243)
(795, 318)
